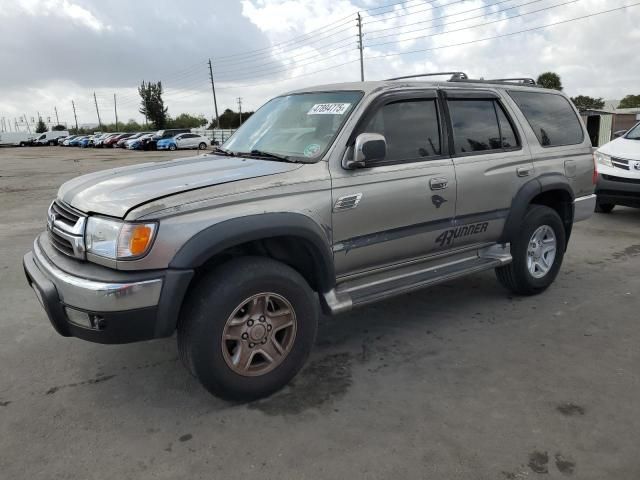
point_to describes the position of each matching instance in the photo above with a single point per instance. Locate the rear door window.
(551, 117)
(480, 125)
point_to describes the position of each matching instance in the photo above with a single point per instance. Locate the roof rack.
(457, 76)
(523, 80)
(463, 77)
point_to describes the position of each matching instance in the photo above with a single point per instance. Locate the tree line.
(584, 102)
(154, 111)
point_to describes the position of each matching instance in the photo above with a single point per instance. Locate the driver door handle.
(438, 183)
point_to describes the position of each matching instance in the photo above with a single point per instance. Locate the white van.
(16, 139)
(50, 138)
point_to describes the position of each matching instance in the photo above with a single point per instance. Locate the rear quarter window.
(551, 117)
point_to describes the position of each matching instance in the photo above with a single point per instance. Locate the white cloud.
(64, 10)
(301, 43)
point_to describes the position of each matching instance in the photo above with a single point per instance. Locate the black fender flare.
(544, 183)
(229, 233)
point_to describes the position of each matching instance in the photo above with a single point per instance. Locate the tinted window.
(551, 117)
(475, 125)
(509, 139)
(410, 127)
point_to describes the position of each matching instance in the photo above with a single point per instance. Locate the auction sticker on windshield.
(329, 109)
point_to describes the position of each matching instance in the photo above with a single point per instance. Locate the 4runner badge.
(446, 237)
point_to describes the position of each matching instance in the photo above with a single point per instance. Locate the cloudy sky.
(56, 51)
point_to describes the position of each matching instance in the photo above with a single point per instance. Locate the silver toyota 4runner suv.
(327, 198)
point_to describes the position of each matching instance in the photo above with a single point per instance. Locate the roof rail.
(454, 76)
(524, 80)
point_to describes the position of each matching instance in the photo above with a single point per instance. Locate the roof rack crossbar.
(527, 81)
(454, 75)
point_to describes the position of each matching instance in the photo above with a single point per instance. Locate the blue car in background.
(84, 143)
(137, 143)
(76, 141)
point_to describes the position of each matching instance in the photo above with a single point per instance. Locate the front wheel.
(172, 147)
(247, 328)
(537, 252)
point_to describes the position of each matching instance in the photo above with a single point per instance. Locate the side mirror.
(368, 147)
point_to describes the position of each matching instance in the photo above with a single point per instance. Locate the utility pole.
(97, 111)
(360, 47)
(213, 89)
(55, 109)
(3, 124)
(74, 114)
(115, 109)
(27, 122)
(240, 108)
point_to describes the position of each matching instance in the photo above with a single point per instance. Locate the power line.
(475, 26)
(253, 65)
(431, 20)
(293, 40)
(504, 35)
(302, 61)
(398, 15)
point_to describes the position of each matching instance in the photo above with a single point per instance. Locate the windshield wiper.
(260, 153)
(222, 151)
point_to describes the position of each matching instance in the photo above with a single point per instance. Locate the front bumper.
(618, 190)
(102, 305)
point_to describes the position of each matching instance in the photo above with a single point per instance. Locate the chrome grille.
(620, 163)
(66, 229)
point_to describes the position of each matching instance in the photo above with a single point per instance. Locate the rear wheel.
(247, 328)
(537, 252)
(603, 207)
(172, 147)
(202, 146)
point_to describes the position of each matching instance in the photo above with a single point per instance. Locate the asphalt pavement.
(461, 381)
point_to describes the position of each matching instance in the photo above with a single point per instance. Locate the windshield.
(634, 133)
(300, 127)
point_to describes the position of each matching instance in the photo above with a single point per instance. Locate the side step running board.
(376, 287)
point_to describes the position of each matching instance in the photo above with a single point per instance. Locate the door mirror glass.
(369, 147)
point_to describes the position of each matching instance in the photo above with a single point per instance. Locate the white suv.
(618, 166)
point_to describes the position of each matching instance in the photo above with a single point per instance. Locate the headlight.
(603, 159)
(118, 240)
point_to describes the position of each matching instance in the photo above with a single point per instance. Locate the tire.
(202, 146)
(172, 147)
(517, 276)
(604, 207)
(213, 302)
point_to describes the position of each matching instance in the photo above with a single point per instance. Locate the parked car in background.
(101, 142)
(618, 166)
(67, 141)
(122, 142)
(74, 142)
(137, 143)
(62, 139)
(113, 139)
(86, 142)
(183, 141)
(50, 138)
(151, 143)
(16, 139)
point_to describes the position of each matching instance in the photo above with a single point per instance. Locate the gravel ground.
(462, 381)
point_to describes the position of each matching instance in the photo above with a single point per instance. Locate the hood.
(115, 192)
(623, 148)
